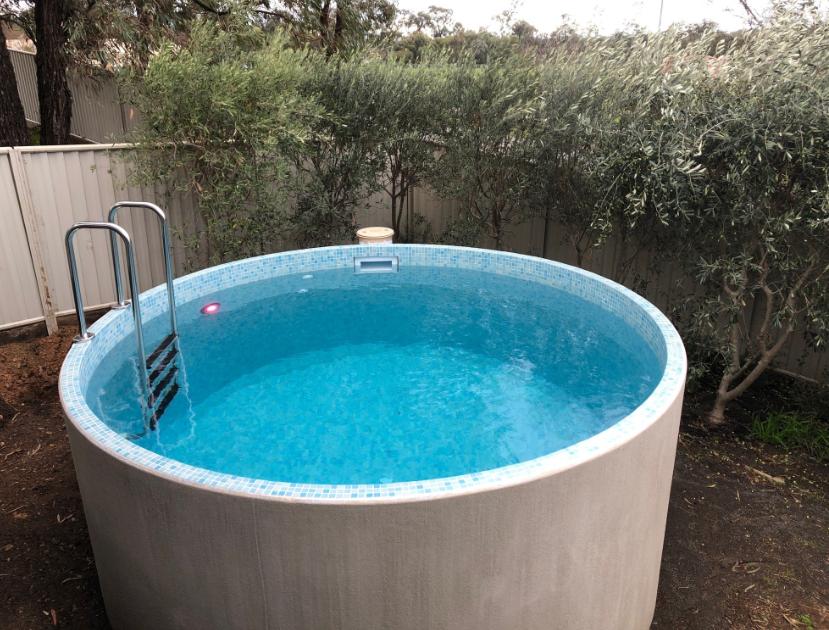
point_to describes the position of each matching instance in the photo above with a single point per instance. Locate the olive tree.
(410, 116)
(611, 163)
(563, 189)
(760, 232)
(224, 117)
(709, 154)
(491, 125)
(340, 166)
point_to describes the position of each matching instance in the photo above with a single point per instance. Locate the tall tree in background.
(53, 93)
(90, 36)
(435, 21)
(13, 129)
(93, 36)
(332, 25)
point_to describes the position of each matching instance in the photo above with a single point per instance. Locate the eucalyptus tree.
(332, 26)
(90, 37)
(435, 21)
(490, 138)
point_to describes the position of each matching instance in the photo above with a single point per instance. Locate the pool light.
(211, 308)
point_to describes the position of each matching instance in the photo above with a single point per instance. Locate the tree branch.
(752, 16)
(210, 9)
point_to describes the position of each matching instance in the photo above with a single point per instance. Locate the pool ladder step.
(158, 372)
(162, 380)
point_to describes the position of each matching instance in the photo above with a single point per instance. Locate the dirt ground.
(747, 542)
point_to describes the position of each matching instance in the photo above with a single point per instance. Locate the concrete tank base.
(579, 548)
(570, 540)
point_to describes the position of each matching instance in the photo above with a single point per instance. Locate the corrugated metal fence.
(44, 190)
(98, 115)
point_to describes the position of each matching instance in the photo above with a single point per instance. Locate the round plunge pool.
(385, 436)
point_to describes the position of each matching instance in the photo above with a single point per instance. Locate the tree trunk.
(579, 256)
(546, 233)
(717, 414)
(393, 196)
(401, 196)
(13, 130)
(52, 83)
(726, 393)
(497, 229)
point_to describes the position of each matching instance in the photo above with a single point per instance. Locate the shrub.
(223, 118)
(690, 149)
(756, 123)
(340, 166)
(377, 134)
(716, 163)
(490, 140)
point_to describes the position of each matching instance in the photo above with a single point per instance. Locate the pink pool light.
(211, 309)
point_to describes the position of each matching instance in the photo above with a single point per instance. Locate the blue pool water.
(337, 378)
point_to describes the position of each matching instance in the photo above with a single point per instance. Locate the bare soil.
(747, 542)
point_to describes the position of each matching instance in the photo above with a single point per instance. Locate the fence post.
(30, 224)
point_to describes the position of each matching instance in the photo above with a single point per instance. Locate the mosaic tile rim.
(643, 316)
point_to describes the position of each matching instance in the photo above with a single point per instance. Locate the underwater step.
(159, 369)
(161, 347)
(162, 407)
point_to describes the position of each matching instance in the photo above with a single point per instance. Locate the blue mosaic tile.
(640, 314)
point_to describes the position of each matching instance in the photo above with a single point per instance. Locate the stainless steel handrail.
(85, 335)
(165, 244)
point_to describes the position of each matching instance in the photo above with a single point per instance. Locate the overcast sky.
(606, 15)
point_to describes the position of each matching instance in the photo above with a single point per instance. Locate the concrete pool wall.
(569, 540)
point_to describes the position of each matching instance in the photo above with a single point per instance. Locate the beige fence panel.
(75, 183)
(96, 109)
(19, 298)
(81, 183)
(97, 112)
(26, 74)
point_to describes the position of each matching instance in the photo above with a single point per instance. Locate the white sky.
(606, 15)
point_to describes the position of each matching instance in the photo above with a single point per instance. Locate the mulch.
(747, 542)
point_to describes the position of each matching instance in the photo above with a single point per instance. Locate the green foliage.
(381, 118)
(792, 431)
(490, 141)
(340, 168)
(692, 151)
(436, 21)
(410, 118)
(332, 27)
(225, 117)
(612, 164)
(714, 164)
(464, 231)
(756, 227)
